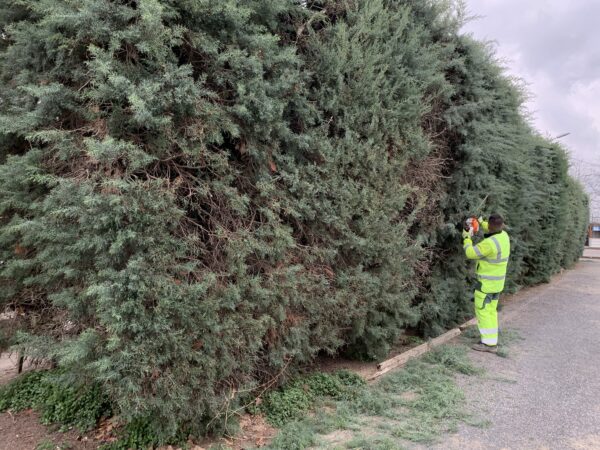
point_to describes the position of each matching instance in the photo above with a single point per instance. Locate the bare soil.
(23, 431)
(363, 368)
(254, 432)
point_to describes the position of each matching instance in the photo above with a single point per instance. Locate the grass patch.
(478, 423)
(49, 445)
(374, 443)
(503, 352)
(417, 404)
(453, 358)
(439, 405)
(337, 418)
(471, 335)
(508, 336)
(296, 435)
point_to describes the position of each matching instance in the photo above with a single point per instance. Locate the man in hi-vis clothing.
(492, 255)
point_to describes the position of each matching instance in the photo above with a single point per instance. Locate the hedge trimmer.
(472, 224)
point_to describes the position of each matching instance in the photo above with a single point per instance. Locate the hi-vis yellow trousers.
(486, 311)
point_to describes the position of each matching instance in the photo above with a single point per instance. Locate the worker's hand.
(467, 234)
(485, 226)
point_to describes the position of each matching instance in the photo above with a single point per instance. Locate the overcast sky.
(554, 45)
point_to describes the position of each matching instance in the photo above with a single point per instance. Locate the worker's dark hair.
(496, 223)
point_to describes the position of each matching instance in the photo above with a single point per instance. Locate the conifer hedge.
(197, 195)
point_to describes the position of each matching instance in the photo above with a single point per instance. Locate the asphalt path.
(546, 393)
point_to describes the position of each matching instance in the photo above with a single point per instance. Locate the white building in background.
(589, 175)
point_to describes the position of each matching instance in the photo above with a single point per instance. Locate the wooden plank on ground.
(403, 358)
(448, 336)
(400, 360)
(468, 324)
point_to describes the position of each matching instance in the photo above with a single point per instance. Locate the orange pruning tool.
(473, 224)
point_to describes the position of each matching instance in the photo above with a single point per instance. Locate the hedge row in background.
(197, 195)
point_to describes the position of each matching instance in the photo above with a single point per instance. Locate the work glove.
(485, 226)
(467, 231)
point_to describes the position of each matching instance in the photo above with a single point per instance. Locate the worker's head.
(496, 223)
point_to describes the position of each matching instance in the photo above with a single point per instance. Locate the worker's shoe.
(485, 348)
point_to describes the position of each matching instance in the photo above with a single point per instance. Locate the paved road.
(550, 398)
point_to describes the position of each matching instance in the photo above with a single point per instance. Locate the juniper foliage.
(196, 196)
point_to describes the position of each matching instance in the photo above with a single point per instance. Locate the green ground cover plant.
(57, 399)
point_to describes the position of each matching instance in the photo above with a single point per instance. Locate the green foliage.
(296, 435)
(57, 400)
(503, 352)
(349, 380)
(377, 443)
(49, 445)
(294, 400)
(195, 195)
(137, 434)
(45, 445)
(289, 404)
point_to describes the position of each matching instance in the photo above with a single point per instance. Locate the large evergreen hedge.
(198, 194)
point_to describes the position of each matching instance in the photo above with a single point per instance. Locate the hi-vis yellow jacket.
(492, 254)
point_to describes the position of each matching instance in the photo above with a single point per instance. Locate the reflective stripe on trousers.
(491, 277)
(486, 311)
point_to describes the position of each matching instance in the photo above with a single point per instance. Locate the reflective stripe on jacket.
(492, 255)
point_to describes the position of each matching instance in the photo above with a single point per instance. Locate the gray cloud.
(554, 46)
